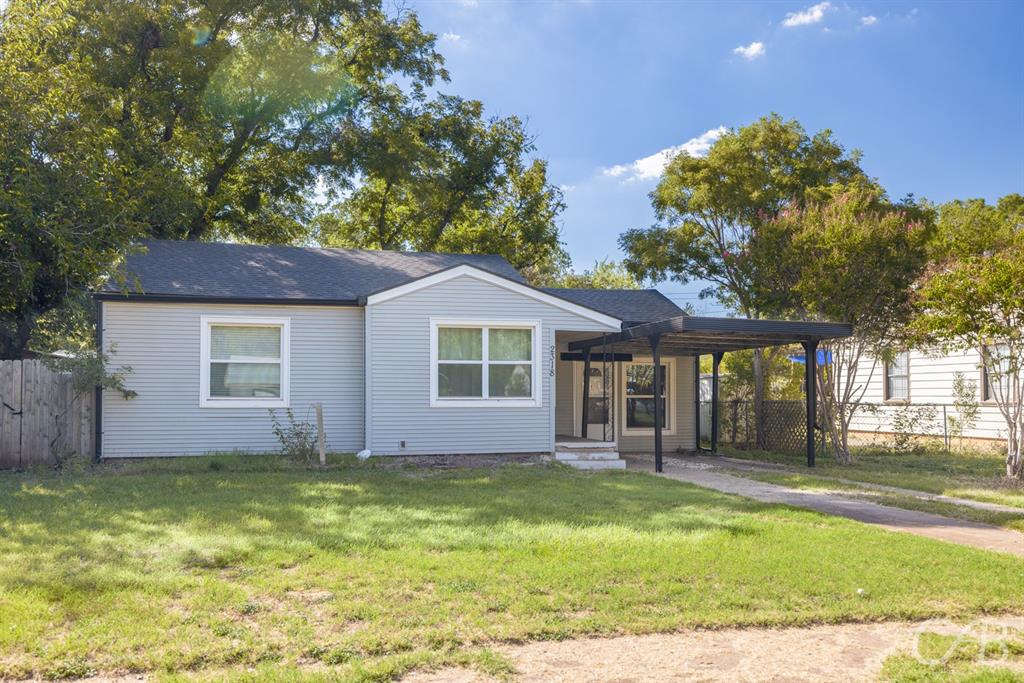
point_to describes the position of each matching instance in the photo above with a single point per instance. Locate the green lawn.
(978, 476)
(225, 564)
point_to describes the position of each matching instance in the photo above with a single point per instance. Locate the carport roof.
(685, 335)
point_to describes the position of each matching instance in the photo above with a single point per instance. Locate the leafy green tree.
(66, 203)
(709, 210)
(238, 119)
(453, 181)
(604, 275)
(852, 257)
(973, 298)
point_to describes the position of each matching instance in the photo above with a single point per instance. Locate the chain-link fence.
(897, 427)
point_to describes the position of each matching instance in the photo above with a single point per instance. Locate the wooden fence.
(42, 419)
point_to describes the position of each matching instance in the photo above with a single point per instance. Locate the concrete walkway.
(726, 463)
(960, 531)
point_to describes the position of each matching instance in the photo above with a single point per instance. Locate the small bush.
(297, 437)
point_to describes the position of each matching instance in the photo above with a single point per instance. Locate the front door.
(599, 424)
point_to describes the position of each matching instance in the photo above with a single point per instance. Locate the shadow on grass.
(214, 519)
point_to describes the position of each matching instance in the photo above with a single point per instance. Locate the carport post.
(656, 362)
(696, 403)
(586, 390)
(811, 357)
(716, 359)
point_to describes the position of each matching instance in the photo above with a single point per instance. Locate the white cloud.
(566, 188)
(450, 37)
(752, 51)
(811, 15)
(651, 167)
(469, 3)
(869, 20)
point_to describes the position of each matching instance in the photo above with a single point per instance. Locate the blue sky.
(932, 93)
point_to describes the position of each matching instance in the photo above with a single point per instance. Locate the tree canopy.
(242, 120)
(604, 275)
(708, 208)
(972, 298)
(853, 257)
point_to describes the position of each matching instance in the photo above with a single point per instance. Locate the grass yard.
(237, 565)
(978, 476)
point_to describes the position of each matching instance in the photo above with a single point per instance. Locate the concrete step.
(585, 445)
(596, 464)
(586, 455)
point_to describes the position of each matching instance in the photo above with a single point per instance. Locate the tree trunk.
(758, 368)
(1014, 456)
(15, 336)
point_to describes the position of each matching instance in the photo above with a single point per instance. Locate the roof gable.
(516, 286)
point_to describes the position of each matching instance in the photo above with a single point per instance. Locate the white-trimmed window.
(244, 362)
(485, 363)
(897, 377)
(637, 396)
(999, 360)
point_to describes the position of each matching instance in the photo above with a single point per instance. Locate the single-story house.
(408, 353)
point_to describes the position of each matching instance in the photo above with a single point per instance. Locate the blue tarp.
(824, 357)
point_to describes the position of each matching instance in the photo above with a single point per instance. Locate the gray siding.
(160, 341)
(399, 391)
(684, 414)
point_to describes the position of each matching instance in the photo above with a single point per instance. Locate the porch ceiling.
(692, 335)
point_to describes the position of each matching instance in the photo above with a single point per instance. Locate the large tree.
(452, 180)
(972, 298)
(709, 209)
(66, 204)
(233, 119)
(852, 257)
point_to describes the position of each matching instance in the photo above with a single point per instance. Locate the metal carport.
(695, 336)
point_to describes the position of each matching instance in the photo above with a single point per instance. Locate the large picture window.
(244, 362)
(897, 378)
(476, 363)
(638, 397)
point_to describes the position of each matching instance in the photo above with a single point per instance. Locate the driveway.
(960, 531)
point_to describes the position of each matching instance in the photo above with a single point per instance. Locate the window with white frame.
(638, 396)
(478, 363)
(897, 377)
(998, 358)
(244, 362)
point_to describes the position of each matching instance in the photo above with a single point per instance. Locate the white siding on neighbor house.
(568, 414)
(398, 394)
(161, 343)
(931, 381)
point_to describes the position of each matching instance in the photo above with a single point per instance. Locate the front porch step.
(585, 445)
(616, 464)
(563, 456)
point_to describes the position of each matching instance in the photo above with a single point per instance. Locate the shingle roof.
(629, 305)
(253, 272)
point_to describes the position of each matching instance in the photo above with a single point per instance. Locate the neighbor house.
(920, 385)
(408, 354)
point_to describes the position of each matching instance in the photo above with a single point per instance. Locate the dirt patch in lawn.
(847, 652)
